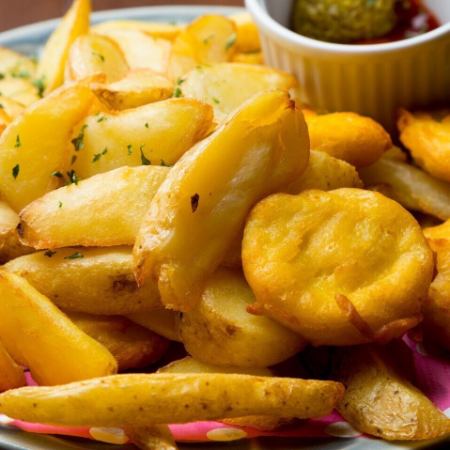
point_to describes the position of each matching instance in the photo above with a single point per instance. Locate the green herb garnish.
(49, 253)
(75, 255)
(15, 171)
(18, 143)
(78, 142)
(73, 177)
(144, 160)
(97, 156)
(230, 41)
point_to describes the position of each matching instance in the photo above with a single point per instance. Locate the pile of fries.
(159, 184)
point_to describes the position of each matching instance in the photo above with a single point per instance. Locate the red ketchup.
(413, 18)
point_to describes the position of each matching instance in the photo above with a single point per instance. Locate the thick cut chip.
(324, 172)
(33, 149)
(220, 331)
(201, 206)
(137, 88)
(437, 306)
(227, 86)
(101, 211)
(15, 65)
(247, 36)
(93, 54)
(209, 39)
(39, 336)
(380, 401)
(158, 133)
(56, 51)
(143, 399)
(11, 374)
(356, 139)
(408, 185)
(141, 50)
(155, 29)
(95, 281)
(428, 140)
(133, 346)
(20, 90)
(322, 263)
(162, 321)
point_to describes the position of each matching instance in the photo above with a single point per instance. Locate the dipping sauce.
(362, 21)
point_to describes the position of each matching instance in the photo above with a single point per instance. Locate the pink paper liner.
(432, 375)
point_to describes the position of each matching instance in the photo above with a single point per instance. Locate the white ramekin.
(374, 79)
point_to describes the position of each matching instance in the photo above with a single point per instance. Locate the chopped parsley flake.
(57, 174)
(194, 202)
(180, 81)
(146, 125)
(60, 204)
(20, 74)
(2, 75)
(49, 253)
(129, 149)
(74, 158)
(18, 143)
(230, 41)
(102, 119)
(78, 142)
(40, 86)
(73, 177)
(216, 100)
(177, 92)
(75, 255)
(144, 160)
(164, 164)
(15, 171)
(99, 56)
(97, 156)
(207, 40)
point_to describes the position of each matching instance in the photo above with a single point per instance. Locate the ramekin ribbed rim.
(272, 27)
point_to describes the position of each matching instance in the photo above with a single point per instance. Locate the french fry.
(157, 133)
(95, 281)
(11, 375)
(136, 399)
(54, 56)
(379, 401)
(33, 149)
(104, 210)
(201, 206)
(38, 335)
(162, 321)
(247, 39)
(133, 346)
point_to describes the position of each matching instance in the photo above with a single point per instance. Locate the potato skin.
(104, 210)
(136, 399)
(95, 281)
(39, 336)
(201, 206)
(321, 263)
(220, 331)
(133, 346)
(428, 140)
(381, 402)
(356, 139)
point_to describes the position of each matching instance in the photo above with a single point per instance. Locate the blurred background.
(14, 13)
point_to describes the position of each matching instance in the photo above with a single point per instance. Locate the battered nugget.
(342, 267)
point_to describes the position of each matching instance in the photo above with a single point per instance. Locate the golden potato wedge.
(156, 437)
(16, 65)
(157, 133)
(247, 36)
(248, 58)
(381, 402)
(321, 263)
(11, 107)
(201, 206)
(54, 56)
(136, 399)
(155, 29)
(33, 149)
(438, 232)
(356, 139)
(137, 88)
(326, 173)
(141, 50)
(92, 54)
(103, 210)
(227, 86)
(10, 246)
(39, 336)
(436, 325)
(95, 281)
(428, 140)
(164, 322)
(408, 185)
(191, 365)
(133, 346)
(11, 375)
(220, 331)
(19, 90)
(209, 39)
